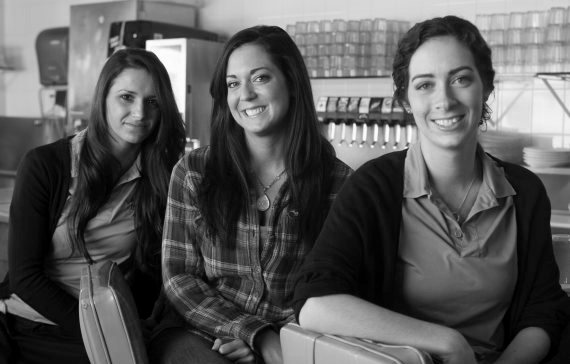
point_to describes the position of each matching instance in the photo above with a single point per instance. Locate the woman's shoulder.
(195, 160)
(341, 169)
(54, 153)
(519, 176)
(389, 166)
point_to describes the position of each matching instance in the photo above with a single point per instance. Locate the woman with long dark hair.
(96, 196)
(243, 212)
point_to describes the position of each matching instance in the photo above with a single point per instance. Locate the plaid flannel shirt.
(231, 293)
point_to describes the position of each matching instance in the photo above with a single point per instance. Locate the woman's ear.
(486, 95)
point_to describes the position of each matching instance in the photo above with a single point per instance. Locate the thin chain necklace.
(457, 213)
(263, 202)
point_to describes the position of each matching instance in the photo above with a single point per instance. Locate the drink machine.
(342, 117)
(364, 118)
(331, 116)
(398, 120)
(386, 119)
(353, 118)
(190, 64)
(322, 112)
(375, 118)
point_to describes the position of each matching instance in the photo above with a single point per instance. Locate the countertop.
(5, 198)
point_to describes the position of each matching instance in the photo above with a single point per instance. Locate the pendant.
(263, 203)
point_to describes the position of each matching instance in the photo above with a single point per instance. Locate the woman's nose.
(444, 98)
(137, 111)
(247, 91)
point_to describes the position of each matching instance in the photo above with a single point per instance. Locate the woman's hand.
(458, 350)
(268, 344)
(235, 350)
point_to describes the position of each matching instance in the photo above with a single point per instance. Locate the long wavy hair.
(159, 152)
(462, 30)
(309, 158)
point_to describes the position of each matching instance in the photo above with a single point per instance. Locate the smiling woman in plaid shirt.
(243, 212)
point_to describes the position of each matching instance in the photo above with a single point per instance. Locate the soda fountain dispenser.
(330, 116)
(321, 114)
(386, 119)
(398, 120)
(410, 126)
(342, 117)
(363, 116)
(353, 118)
(375, 117)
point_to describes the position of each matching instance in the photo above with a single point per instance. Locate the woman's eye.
(423, 86)
(261, 78)
(462, 80)
(232, 84)
(127, 97)
(153, 102)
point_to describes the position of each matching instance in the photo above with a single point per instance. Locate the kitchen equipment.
(52, 49)
(190, 64)
(331, 116)
(375, 114)
(341, 111)
(135, 33)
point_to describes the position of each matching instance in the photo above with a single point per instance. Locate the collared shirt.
(458, 275)
(110, 235)
(231, 292)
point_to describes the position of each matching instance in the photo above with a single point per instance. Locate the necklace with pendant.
(263, 202)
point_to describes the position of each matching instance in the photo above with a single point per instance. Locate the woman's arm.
(184, 276)
(530, 346)
(30, 242)
(351, 316)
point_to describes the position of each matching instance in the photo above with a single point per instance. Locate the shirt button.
(458, 234)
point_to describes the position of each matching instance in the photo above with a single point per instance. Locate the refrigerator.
(190, 64)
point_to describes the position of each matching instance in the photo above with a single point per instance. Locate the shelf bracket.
(510, 105)
(555, 94)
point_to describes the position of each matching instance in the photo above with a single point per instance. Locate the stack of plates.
(546, 158)
(507, 146)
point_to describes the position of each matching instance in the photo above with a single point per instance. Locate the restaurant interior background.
(535, 108)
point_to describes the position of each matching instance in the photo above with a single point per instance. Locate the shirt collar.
(77, 143)
(416, 181)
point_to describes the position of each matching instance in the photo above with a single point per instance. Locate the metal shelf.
(563, 171)
(546, 77)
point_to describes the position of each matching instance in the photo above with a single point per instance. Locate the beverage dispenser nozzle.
(353, 117)
(410, 127)
(364, 132)
(398, 118)
(322, 115)
(386, 118)
(330, 114)
(343, 117)
(332, 130)
(376, 130)
(374, 111)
